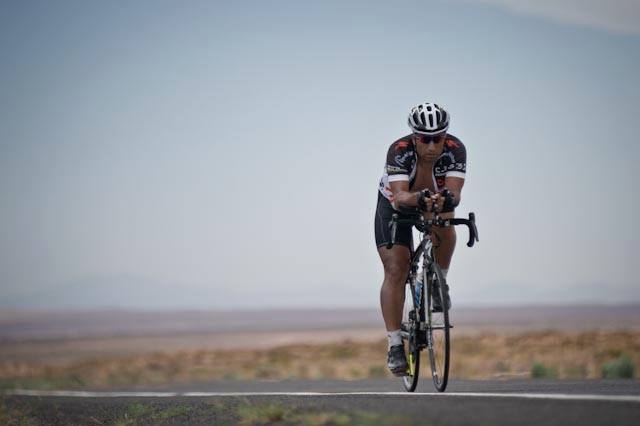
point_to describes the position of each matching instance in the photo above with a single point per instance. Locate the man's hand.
(428, 202)
(437, 201)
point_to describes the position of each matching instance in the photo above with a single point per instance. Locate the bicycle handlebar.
(423, 225)
(471, 224)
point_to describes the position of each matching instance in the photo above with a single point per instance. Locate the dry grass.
(570, 355)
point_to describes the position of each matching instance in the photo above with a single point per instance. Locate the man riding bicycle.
(424, 171)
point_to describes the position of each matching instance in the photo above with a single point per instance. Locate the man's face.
(429, 147)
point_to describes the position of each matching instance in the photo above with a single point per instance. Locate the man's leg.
(444, 245)
(396, 268)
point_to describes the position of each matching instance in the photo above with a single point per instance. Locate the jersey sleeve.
(399, 158)
(458, 168)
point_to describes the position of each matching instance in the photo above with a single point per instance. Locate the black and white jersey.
(402, 160)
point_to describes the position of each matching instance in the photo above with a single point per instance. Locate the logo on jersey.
(400, 159)
(395, 169)
(461, 167)
(448, 157)
(402, 145)
(452, 143)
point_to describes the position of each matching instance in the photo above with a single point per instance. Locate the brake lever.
(473, 230)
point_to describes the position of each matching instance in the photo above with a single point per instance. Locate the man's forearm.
(405, 199)
(412, 199)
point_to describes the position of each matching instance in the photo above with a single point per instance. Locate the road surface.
(524, 402)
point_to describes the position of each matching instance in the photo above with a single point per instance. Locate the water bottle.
(419, 287)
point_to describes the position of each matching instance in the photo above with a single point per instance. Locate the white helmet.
(428, 119)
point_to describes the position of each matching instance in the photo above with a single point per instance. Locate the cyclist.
(425, 170)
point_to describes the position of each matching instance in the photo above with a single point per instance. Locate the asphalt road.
(523, 402)
(599, 387)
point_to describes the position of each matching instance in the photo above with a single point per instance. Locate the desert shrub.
(619, 368)
(541, 371)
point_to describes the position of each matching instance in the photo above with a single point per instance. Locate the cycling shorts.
(384, 211)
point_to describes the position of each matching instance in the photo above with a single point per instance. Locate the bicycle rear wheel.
(410, 328)
(438, 338)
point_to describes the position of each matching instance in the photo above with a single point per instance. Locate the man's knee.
(445, 234)
(396, 271)
(395, 262)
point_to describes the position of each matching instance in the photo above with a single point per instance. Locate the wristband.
(449, 201)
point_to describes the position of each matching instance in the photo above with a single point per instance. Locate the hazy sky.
(165, 154)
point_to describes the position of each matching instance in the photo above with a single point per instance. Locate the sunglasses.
(429, 139)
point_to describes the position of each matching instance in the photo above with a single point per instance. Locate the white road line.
(85, 394)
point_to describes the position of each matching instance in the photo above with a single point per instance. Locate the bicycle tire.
(438, 326)
(410, 381)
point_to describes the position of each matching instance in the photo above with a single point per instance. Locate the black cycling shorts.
(384, 211)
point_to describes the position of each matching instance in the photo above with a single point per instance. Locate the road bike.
(427, 324)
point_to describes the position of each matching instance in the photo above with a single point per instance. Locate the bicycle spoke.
(412, 324)
(438, 333)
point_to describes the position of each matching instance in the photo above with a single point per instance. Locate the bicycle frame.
(423, 251)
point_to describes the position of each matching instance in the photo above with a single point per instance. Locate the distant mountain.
(34, 324)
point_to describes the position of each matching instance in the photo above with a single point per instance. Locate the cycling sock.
(395, 338)
(444, 273)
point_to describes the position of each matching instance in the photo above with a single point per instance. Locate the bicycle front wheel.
(438, 338)
(410, 328)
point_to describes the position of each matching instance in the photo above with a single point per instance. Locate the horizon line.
(305, 309)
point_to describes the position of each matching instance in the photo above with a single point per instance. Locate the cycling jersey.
(402, 162)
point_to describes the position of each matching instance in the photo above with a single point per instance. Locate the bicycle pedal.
(400, 372)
